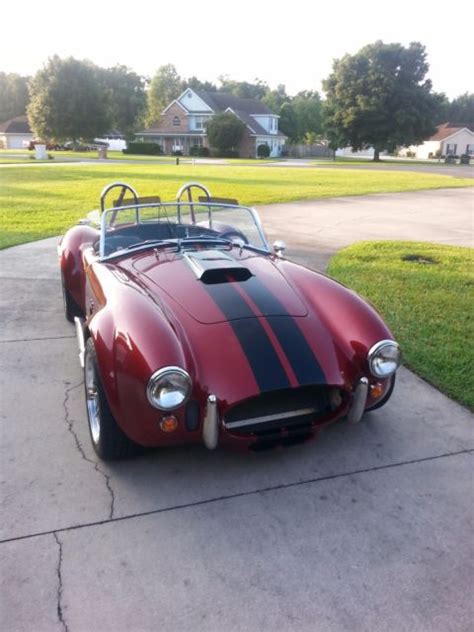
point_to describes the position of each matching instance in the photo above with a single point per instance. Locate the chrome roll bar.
(124, 186)
(187, 188)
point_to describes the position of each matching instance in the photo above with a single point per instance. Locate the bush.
(204, 152)
(465, 159)
(263, 151)
(146, 149)
(228, 153)
(194, 150)
(178, 152)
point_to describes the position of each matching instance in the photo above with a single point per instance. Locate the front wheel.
(108, 440)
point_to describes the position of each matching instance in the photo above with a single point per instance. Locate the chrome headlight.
(169, 388)
(384, 358)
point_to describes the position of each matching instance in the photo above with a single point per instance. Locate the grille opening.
(288, 409)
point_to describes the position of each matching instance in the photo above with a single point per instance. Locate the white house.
(450, 139)
(15, 133)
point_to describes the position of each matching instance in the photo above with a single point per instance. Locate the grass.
(425, 293)
(41, 201)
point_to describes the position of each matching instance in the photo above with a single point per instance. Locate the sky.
(292, 42)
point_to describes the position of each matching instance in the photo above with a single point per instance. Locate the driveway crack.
(59, 606)
(80, 448)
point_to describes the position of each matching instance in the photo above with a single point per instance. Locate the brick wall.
(247, 145)
(166, 121)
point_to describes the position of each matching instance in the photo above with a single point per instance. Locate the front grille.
(287, 409)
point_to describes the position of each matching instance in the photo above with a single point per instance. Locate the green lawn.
(425, 293)
(42, 200)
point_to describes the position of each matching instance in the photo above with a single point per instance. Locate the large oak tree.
(380, 96)
(68, 101)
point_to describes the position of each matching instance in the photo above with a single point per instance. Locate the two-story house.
(183, 123)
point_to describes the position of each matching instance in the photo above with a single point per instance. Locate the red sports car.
(191, 329)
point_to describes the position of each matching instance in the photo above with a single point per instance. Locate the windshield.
(153, 225)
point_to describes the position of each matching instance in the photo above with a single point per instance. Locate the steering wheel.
(234, 234)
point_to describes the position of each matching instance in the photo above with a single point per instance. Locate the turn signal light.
(169, 424)
(376, 390)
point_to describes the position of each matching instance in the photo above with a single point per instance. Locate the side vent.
(214, 266)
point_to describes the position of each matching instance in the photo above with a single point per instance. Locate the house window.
(470, 150)
(200, 122)
(451, 149)
(176, 121)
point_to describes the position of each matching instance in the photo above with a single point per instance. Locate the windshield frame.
(177, 208)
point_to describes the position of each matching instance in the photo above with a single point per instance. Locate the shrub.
(194, 150)
(147, 149)
(177, 152)
(465, 159)
(263, 151)
(204, 152)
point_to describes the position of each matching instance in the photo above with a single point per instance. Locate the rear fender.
(70, 251)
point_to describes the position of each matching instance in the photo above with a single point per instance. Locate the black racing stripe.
(256, 345)
(302, 359)
(300, 355)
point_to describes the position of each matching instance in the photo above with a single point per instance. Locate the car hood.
(216, 286)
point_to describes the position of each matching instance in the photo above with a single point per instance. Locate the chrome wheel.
(92, 398)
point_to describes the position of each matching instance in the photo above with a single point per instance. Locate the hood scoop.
(215, 266)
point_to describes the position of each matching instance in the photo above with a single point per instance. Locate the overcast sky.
(292, 42)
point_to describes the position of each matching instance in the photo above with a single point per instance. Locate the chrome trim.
(359, 402)
(210, 427)
(264, 418)
(81, 343)
(125, 187)
(92, 398)
(161, 373)
(279, 247)
(188, 188)
(376, 348)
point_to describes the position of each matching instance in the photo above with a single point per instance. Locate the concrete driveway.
(367, 528)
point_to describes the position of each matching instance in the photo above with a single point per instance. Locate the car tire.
(71, 308)
(108, 440)
(385, 398)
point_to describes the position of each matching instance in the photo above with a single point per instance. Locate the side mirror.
(279, 247)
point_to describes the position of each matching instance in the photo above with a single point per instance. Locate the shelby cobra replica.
(191, 329)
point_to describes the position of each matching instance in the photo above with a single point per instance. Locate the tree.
(461, 110)
(224, 132)
(274, 99)
(67, 101)
(243, 89)
(288, 122)
(126, 98)
(165, 86)
(380, 97)
(13, 95)
(196, 84)
(308, 110)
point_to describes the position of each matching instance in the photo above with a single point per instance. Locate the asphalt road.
(367, 528)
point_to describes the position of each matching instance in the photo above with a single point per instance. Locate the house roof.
(17, 125)
(448, 129)
(221, 101)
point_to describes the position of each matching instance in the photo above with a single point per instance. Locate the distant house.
(15, 133)
(450, 139)
(183, 123)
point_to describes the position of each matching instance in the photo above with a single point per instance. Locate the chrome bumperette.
(359, 401)
(210, 428)
(81, 343)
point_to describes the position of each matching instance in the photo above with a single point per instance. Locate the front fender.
(132, 339)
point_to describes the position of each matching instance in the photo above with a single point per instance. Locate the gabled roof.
(448, 129)
(221, 101)
(17, 125)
